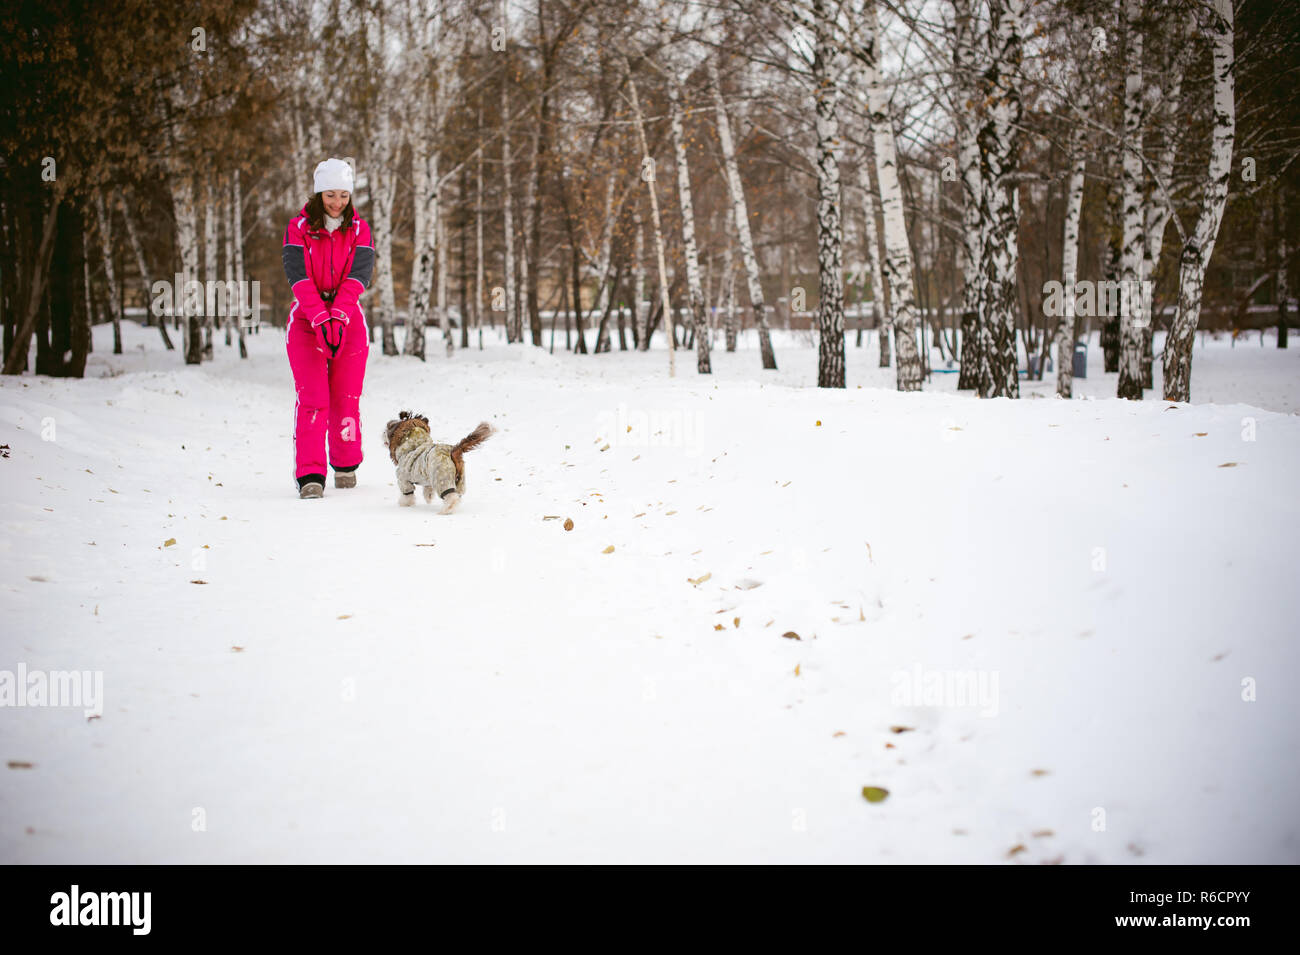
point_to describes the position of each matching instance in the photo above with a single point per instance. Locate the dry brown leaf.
(608, 550)
(791, 635)
(696, 581)
(568, 523)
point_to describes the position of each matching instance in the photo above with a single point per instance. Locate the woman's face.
(336, 200)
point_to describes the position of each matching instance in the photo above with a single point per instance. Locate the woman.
(328, 258)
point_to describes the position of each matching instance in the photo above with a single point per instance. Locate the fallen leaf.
(1228, 464)
(736, 623)
(198, 581)
(344, 616)
(791, 635)
(796, 669)
(608, 550)
(874, 793)
(901, 729)
(718, 626)
(568, 523)
(1014, 849)
(169, 542)
(237, 649)
(838, 733)
(696, 581)
(1041, 772)
(1043, 833)
(819, 424)
(1201, 434)
(550, 517)
(20, 764)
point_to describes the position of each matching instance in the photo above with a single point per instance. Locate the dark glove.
(331, 333)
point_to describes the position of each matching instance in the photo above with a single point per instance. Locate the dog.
(438, 468)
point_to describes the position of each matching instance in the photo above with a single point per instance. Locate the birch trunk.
(729, 270)
(1283, 290)
(142, 266)
(871, 239)
(640, 308)
(830, 245)
(187, 239)
(694, 288)
(235, 252)
(210, 276)
(965, 117)
(1200, 244)
(647, 174)
(898, 253)
(478, 239)
(1070, 256)
(444, 317)
(1131, 181)
(104, 217)
(513, 329)
(999, 140)
(740, 216)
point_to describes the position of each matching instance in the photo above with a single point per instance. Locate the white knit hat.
(332, 174)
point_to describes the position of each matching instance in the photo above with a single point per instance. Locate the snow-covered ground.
(1052, 631)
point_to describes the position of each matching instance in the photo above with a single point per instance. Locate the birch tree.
(966, 108)
(103, 216)
(740, 219)
(695, 290)
(1200, 244)
(830, 246)
(999, 142)
(1131, 183)
(898, 251)
(1070, 253)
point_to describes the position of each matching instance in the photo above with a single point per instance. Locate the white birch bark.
(235, 263)
(871, 240)
(740, 218)
(999, 140)
(695, 289)
(830, 242)
(210, 276)
(670, 328)
(478, 238)
(641, 309)
(1131, 185)
(1070, 254)
(966, 108)
(187, 241)
(898, 252)
(104, 217)
(1200, 244)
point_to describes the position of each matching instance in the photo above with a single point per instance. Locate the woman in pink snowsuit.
(328, 258)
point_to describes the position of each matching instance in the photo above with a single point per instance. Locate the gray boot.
(345, 478)
(311, 489)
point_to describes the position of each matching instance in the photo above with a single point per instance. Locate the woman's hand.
(331, 332)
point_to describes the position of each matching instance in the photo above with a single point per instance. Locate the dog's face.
(397, 430)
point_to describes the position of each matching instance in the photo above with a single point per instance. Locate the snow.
(356, 681)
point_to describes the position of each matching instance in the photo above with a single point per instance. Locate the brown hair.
(316, 212)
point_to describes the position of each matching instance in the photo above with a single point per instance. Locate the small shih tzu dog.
(438, 468)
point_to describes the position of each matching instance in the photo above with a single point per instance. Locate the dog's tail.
(469, 443)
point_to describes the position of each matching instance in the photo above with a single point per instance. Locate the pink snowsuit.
(328, 339)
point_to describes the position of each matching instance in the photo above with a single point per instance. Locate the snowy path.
(490, 687)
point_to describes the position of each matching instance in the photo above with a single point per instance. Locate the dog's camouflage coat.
(438, 468)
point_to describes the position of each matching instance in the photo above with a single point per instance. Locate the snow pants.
(329, 396)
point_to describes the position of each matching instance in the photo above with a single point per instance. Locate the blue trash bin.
(1080, 360)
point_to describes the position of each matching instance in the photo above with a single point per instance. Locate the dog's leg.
(406, 497)
(428, 494)
(449, 502)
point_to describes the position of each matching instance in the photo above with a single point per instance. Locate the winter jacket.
(327, 271)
